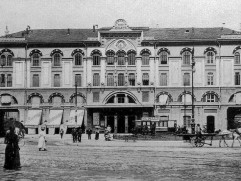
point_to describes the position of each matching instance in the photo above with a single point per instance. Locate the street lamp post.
(76, 103)
(193, 119)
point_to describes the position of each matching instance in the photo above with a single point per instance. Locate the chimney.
(94, 26)
(6, 31)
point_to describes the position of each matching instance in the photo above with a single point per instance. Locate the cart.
(197, 140)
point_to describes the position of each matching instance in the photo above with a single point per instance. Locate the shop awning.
(187, 98)
(34, 117)
(55, 117)
(80, 115)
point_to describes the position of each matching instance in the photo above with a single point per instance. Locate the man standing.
(89, 132)
(79, 134)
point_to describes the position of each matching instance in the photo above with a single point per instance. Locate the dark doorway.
(110, 122)
(210, 124)
(120, 124)
(233, 117)
(2, 131)
(131, 123)
(56, 131)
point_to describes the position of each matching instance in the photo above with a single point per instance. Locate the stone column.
(126, 124)
(106, 121)
(115, 124)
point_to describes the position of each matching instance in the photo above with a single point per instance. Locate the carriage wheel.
(199, 142)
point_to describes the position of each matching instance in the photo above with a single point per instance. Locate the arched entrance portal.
(210, 124)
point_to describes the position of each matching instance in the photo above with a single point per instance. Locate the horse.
(235, 134)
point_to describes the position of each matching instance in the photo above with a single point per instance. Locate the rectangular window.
(35, 80)
(186, 79)
(131, 79)
(121, 98)
(187, 121)
(2, 81)
(210, 78)
(121, 59)
(210, 98)
(96, 79)
(145, 79)
(131, 59)
(237, 78)
(96, 96)
(110, 80)
(121, 80)
(9, 80)
(145, 96)
(78, 79)
(163, 79)
(56, 80)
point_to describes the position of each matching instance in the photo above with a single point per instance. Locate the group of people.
(77, 134)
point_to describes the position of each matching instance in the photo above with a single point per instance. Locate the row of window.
(6, 79)
(6, 60)
(130, 80)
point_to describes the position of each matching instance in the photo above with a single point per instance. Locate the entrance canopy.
(55, 117)
(73, 113)
(34, 117)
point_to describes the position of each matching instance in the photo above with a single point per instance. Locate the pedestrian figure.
(79, 134)
(89, 132)
(61, 133)
(12, 156)
(198, 131)
(74, 135)
(83, 127)
(42, 140)
(97, 132)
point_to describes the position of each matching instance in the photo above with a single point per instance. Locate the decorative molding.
(56, 51)
(35, 51)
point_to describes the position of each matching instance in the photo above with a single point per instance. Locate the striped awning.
(55, 117)
(34, 117)
(73, 113)
(163, 99)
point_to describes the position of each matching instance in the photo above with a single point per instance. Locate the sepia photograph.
(120, 90)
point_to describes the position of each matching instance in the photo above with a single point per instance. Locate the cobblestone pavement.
(119, 160)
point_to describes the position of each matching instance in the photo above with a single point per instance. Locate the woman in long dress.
(42, 140)
(12, 156)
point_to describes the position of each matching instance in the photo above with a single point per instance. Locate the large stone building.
(122, 74)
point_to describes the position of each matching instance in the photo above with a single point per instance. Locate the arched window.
(57, 59)
(3, 60)
(121, 58)
(131, 58)
(36, 59)
(163, 57)
(96, 59)
(210, 57)
(78, 59)
(210, 97)
(121, 79)
(237, 58)
(110, 58)
(210, 78)
(186, 58)
(145, 59)
(9, 61)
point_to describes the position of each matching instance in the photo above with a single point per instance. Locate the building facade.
(117, 75)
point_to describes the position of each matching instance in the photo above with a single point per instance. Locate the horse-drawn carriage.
(197, 140)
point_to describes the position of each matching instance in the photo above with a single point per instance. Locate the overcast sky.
(58, 14)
